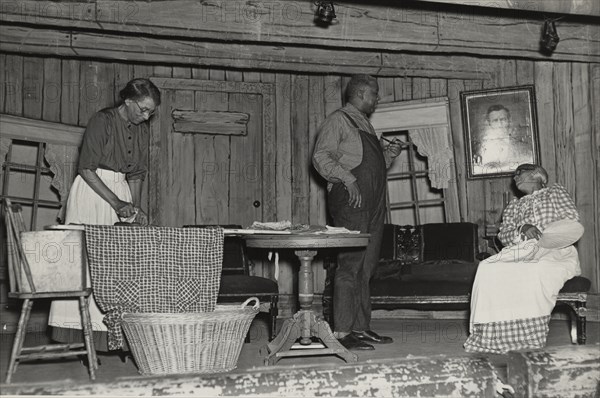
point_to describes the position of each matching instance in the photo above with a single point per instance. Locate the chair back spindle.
(13, 258)
(17, 261)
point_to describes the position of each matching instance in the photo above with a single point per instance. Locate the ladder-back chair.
(29, 282)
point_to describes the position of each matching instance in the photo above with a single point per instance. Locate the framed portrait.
(500, 127)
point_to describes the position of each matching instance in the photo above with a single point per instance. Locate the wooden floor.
(412, 338)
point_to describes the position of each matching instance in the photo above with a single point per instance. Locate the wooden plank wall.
(69, 91)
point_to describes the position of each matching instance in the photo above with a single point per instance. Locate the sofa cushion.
(428, 260)
(418, 287)
(449, 242)
(448, 272)
(426, 280)
(390, 269)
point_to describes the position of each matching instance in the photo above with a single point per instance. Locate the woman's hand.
(141, 217)
(124, 209)
(531, 231)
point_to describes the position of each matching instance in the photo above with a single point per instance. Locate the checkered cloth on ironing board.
(153, 269)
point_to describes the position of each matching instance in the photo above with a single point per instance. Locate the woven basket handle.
(256, 303)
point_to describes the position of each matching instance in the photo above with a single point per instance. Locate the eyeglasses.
(523, 171)
(145, 110)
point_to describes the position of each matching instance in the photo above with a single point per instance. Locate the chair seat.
(237, 288)
(577, 284)
(236, 285)
(240, 285)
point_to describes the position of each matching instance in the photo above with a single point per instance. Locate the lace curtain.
(434, 143)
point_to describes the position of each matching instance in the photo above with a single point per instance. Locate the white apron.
(84, 206)
(521, 282)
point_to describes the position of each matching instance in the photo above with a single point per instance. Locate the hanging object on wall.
(210, 122)
(550, 37)
(325, 14)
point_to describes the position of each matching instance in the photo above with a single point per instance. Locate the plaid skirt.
(503, 336)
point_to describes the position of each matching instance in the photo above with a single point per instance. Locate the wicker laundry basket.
(198, 342)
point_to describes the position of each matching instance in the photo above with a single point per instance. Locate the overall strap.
(352, 121)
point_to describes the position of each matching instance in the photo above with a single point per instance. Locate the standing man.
(351, 158)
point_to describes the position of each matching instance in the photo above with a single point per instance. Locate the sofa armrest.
(482, 256)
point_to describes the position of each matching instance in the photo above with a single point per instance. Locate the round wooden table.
(306, 324)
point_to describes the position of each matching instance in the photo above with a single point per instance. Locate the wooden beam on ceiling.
(77, 44)
(564, 7)
(370, 27)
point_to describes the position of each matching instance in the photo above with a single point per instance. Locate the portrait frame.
(500, 129)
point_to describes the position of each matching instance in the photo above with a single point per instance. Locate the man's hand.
(354, 197)
(531, 231)
(394, 148)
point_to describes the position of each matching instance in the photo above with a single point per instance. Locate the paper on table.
(279, 226)
(337, 230)
(275, 225)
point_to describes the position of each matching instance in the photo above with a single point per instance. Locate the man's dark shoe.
(350, 342)
(372, 337)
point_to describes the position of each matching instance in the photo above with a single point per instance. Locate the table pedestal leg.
(291, 331)
(305, 324)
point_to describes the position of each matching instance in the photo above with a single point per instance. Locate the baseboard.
(418, 314)
(288, 309)
(38, 321)
(592, 313)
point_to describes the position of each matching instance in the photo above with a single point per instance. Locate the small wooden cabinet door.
(212, 175)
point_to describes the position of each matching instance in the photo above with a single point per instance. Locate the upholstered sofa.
(432, 267)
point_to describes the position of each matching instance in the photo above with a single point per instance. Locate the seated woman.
(515, 290)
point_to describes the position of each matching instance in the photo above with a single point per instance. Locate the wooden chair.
(29, 283)
(236, 282)
(573, 296)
